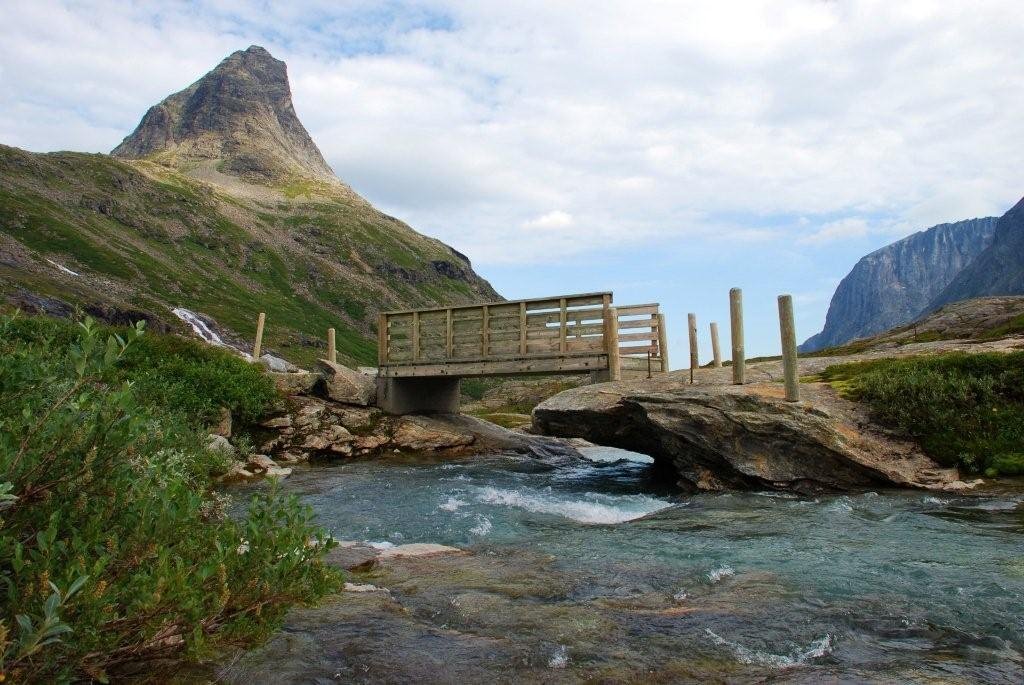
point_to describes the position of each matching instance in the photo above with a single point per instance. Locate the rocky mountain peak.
(238, 120)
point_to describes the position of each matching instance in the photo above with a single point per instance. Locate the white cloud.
(644, 127)
(552, 220)
(843, 229)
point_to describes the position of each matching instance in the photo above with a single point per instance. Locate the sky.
(666, 151)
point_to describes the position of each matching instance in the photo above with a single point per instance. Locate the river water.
(593, 572)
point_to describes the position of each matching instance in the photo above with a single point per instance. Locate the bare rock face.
(239, 116)
(896, 284)
(717, 437)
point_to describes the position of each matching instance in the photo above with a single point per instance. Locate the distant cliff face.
(998, 270)
(239, 117)
(896, 284)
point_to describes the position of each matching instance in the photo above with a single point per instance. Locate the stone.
(278, 472)
(237, 472)
(220, 445)
(418, 549)
(344, 385)
(278, 422)
(293, 457)
(260, 462)
(301, 383)
(419, 433)
(370, 442)
(356, 418)
(718, 436)
(278, 365)
(223, 426)
(355, 587)
(351, 555)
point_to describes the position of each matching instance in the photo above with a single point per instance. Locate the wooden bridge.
(423, 353)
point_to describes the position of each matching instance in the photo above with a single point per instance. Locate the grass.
(964, 409)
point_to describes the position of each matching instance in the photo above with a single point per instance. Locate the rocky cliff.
(896, 284)
(221, 204)
(998, 270)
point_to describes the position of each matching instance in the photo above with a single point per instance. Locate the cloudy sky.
(666, 151)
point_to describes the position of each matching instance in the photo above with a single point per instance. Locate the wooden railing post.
(485, 333)
(739, 362)
(332, 350)
(562, 323)
(260, 321)
(522, 328)
(663, 342)
(415, 336)
(715, 350)
(787, 330)
(691, 320)
(382, 339)
(611, 343)
(449, 334)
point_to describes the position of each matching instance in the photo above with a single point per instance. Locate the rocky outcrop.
(896, 284)
(342, 384)
(715, 436)
(998, 270)
(240, 116)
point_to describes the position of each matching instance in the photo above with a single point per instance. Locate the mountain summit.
(238, 120)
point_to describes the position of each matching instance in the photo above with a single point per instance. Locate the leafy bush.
(113, 545)
(965, 409)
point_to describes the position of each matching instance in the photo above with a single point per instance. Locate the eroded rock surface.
(717, 436)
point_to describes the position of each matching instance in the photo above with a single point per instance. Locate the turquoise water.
(592, 571)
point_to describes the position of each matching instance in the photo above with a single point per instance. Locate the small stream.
(593, 572)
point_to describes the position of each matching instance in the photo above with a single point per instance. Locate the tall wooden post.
(691, 320)
(382, 339)
(259, 335)
(415, 336)
(663, 342)
(787, 329)
(715, 350)
(332, 350)
(611, 343)
(739, 361)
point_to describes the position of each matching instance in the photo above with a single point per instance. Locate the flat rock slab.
(418, 549)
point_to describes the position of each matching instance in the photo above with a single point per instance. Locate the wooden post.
(691, 320)
(449, 335)
(739, 362)
(259, 335)
(787, 329)
(332, 350)
(663, 342)
(415, 336)
(715, 350)
(522, 328)
(611, 343)
(382, 339)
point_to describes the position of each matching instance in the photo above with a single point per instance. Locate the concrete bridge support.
(411, 395)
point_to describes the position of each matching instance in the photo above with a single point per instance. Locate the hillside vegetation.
(113, 544)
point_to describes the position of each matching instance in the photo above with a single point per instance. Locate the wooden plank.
(638, 350)
(637, 323)
(637, 309)
(382, 339)
(563, 364)
(631, 337)
(576, 299)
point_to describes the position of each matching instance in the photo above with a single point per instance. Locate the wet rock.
(300, 383)
(351, 555)
(370, 442)
(260, 462)
(344, 385)
(237, 472)
(418, 549)
(357, 419)
(278, 422)
(355, 587)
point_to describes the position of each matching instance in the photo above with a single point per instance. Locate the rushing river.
(591, 572)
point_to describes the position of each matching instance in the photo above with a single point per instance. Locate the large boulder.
(344, 385)
(722, 436)
(299, 383)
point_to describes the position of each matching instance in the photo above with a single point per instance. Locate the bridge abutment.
(410, 395)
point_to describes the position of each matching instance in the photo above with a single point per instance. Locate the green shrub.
(113, 545)
(965, 409)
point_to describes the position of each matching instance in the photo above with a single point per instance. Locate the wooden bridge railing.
(568, 334)
(643, 347)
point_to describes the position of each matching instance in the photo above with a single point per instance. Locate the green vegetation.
(964, 409)
(114, 547)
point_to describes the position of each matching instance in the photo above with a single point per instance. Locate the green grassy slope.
(146, 238)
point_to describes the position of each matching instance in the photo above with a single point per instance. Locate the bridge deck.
(564, 334)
